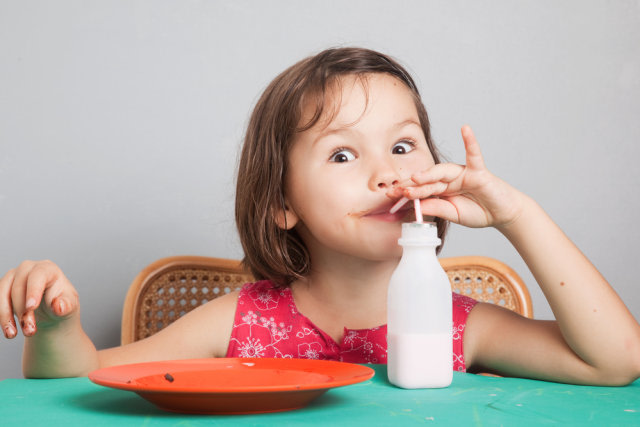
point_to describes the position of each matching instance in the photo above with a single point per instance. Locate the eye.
(403, 147)
(342, 155)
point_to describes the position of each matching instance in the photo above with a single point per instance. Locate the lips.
(382, 213)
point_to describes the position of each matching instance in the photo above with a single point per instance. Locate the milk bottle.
(419, 313)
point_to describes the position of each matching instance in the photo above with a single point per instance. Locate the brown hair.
(271, 252)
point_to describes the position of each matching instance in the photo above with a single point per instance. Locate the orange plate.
(230, 385)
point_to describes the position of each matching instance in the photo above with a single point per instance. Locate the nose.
(385, 176)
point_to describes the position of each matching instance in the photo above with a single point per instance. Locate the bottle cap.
(419, 234)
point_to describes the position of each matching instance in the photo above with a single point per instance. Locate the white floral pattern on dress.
(458, 362)
(312, 350)
(305, 331)
(260, 344)
(268, 324)
(463, 302)
(359, 347)
(458, 331)
(251, 348)
(458, 358)
(263, 299)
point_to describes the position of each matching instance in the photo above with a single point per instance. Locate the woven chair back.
(171, 287)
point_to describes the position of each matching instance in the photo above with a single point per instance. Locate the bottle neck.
(422, 251)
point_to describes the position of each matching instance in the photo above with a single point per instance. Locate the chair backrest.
(173, 286)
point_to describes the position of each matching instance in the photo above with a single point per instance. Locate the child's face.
(339, 172)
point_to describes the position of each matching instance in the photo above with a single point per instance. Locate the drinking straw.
(418, 209)
(400, 203)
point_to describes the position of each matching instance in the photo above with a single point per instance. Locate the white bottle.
(419, 313)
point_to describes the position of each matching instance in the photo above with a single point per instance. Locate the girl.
(332, 144)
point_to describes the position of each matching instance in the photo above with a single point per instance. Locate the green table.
(470, 400)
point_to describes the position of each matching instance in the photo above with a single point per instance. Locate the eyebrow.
(347, 128)
(406, 123)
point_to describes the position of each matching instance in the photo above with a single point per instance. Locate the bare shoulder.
(201, 333)
(216, 318)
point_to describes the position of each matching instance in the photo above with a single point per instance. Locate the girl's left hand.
(465, 194)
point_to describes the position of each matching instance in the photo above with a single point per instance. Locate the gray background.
(120, 123)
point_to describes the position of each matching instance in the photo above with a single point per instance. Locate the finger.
(440, 208)
(63, 306)
(18, 289)
(28, 324)
(425, 191)
(41, 276)
(446, 172)
(18, 301)
(7, 321)
(25, 301)
(472, 148)
(62, 300)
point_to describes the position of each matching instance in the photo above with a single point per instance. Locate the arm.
(592, 319)
(56, 346)
(44, 301)
(595, 338)
(58, 352)
(201, 333)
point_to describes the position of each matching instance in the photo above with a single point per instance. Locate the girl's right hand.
(38, 294)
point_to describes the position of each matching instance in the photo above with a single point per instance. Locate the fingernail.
(29, 328)
(9, 331)
(61, 306)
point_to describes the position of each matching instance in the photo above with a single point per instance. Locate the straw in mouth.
(400, 203)
(416, 206)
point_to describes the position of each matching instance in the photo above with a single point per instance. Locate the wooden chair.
(170, 287)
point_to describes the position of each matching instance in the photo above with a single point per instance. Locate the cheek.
(324, 203)
(318, 200)
(305, 196)
(422, 162)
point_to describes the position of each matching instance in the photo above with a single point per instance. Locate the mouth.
(381, 212)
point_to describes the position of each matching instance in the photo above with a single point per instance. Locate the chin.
(394, 251)
(382, 252)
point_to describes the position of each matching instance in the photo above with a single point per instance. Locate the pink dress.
(268, 324)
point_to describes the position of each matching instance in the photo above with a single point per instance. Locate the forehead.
(346, 99)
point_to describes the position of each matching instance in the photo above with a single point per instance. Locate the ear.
(286, 219)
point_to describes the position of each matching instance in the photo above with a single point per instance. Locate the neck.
(352, 291)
